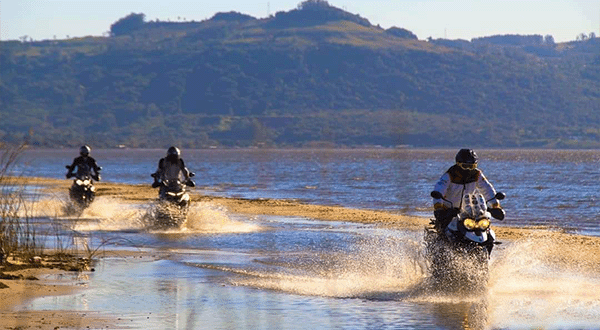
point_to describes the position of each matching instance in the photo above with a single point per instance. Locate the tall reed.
(18, 236)
(17, 232)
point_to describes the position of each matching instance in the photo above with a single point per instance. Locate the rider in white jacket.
(462, 178)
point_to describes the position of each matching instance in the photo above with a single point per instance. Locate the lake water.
(556, 188)
(227, 271)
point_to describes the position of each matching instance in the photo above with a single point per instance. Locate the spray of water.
(380, 267)
(44, 208)
(532, 284)
(376, 268)
(204, 217)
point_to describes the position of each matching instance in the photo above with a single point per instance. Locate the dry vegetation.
(21, 246)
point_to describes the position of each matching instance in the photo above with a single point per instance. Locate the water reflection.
(461, 315)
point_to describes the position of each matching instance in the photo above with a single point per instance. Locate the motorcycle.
(173, 204)
(459, 252)
(82, 191)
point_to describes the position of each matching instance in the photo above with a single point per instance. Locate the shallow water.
(226, 271)
(556, 188)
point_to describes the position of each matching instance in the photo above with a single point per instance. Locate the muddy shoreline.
(585, 249)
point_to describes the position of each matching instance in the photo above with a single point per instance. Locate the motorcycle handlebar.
(497, 213)
(438, 195)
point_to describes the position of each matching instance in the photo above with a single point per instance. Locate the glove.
(155, 184)
(439, 214)
(190, 183)
(69, 175)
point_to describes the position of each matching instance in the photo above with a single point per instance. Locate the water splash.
(375, 268)
(206, 217)
(109, 214)
(527, 287)
(535, 283)
(112, 214)
(454, 271)
(202, 217)
(391, 266)
(43, 208)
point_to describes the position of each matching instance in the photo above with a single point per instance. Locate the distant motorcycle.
(82, 191)
(173, 204)
(459, 253)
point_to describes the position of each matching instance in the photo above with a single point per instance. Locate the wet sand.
(17, 292)
(584, 249)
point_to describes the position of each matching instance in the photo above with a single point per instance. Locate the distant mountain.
(313, 76)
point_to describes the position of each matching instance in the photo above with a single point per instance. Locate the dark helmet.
(466, 159)
(85, 150)
(173, 152)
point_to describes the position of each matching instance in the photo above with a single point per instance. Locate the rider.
(172, 167)
(85, 165)
(462, 178)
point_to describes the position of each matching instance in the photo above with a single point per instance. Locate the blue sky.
(458, 19)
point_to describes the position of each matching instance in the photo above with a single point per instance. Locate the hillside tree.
(127, 24)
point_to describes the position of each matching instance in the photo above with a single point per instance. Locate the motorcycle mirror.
(500, 196)
(437, 195)
(497, 213)
(67, 166)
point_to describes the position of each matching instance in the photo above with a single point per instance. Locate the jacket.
(170, 171)
(85, 166)
(456, 182)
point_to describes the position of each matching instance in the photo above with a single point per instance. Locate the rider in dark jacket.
(85, 164)
(172, 167)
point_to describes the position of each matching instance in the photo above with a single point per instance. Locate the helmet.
(85, 150)
(173, 151)
(466, 159)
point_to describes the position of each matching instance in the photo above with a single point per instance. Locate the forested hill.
(312, 76)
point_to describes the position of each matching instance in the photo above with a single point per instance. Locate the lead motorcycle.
(83, 191)
(458, 254)
(173, 204)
